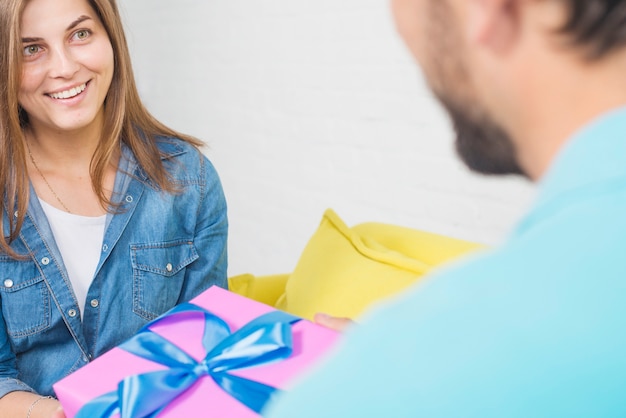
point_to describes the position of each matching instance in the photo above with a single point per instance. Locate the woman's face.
(68, 65)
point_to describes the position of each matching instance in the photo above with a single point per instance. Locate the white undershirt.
(79, 238)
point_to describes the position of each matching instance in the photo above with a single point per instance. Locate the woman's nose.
(63, 64)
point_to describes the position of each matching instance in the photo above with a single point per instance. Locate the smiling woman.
(93, 189)
(59, 64)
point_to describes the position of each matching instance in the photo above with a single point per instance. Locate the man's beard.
(481, 143)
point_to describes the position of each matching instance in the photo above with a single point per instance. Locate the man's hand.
(333, 322)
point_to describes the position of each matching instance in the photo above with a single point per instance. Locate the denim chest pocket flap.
(158, 275)
(165, 259)
(25, 298)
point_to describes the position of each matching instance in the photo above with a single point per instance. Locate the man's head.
(463, 45)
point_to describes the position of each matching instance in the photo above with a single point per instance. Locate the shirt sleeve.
(9, 381)
(210, 237)
(500, 336)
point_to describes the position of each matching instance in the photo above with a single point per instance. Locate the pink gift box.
(103, 374)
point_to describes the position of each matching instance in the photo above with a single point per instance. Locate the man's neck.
(561, 103)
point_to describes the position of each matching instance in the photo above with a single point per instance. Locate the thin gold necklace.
(46, 180)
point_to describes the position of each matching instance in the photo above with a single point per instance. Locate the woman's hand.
(58, 413)
(333, 322)
(19, 404)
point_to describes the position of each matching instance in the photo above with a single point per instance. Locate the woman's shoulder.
(170, 147)
(187, 157)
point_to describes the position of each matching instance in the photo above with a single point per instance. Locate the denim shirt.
(159, 249)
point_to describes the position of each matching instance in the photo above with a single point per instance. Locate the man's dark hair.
(597, 25)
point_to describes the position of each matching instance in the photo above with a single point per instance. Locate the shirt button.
(45, 261)
(72, 313)
(94, 303)
(105, 248)
(129, 199)
(169, 267)
(8, 283)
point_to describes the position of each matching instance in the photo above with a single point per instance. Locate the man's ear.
(494, 24)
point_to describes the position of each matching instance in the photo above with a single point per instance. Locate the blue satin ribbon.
(263, 340)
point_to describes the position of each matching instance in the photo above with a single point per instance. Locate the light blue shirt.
(160, 249)
(535, 328)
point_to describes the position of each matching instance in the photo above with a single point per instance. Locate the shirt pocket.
(159, 275)
(25, 298)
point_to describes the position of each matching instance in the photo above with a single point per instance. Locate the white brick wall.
(309, 104)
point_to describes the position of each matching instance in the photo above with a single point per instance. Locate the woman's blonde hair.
(125, 119)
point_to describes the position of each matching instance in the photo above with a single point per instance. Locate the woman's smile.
(68, 93)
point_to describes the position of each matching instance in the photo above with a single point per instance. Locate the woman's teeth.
(67, 94)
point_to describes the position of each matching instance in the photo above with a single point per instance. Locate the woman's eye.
(31, 50)
(81, 34)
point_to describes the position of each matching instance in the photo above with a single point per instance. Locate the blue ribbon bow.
(263, 340)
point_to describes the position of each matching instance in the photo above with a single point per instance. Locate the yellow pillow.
(342, 271)
(432, 249)
(265, 289)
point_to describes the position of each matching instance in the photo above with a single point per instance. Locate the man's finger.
(333, 322)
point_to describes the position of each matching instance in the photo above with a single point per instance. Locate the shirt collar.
(591, 160)
(595, 154)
